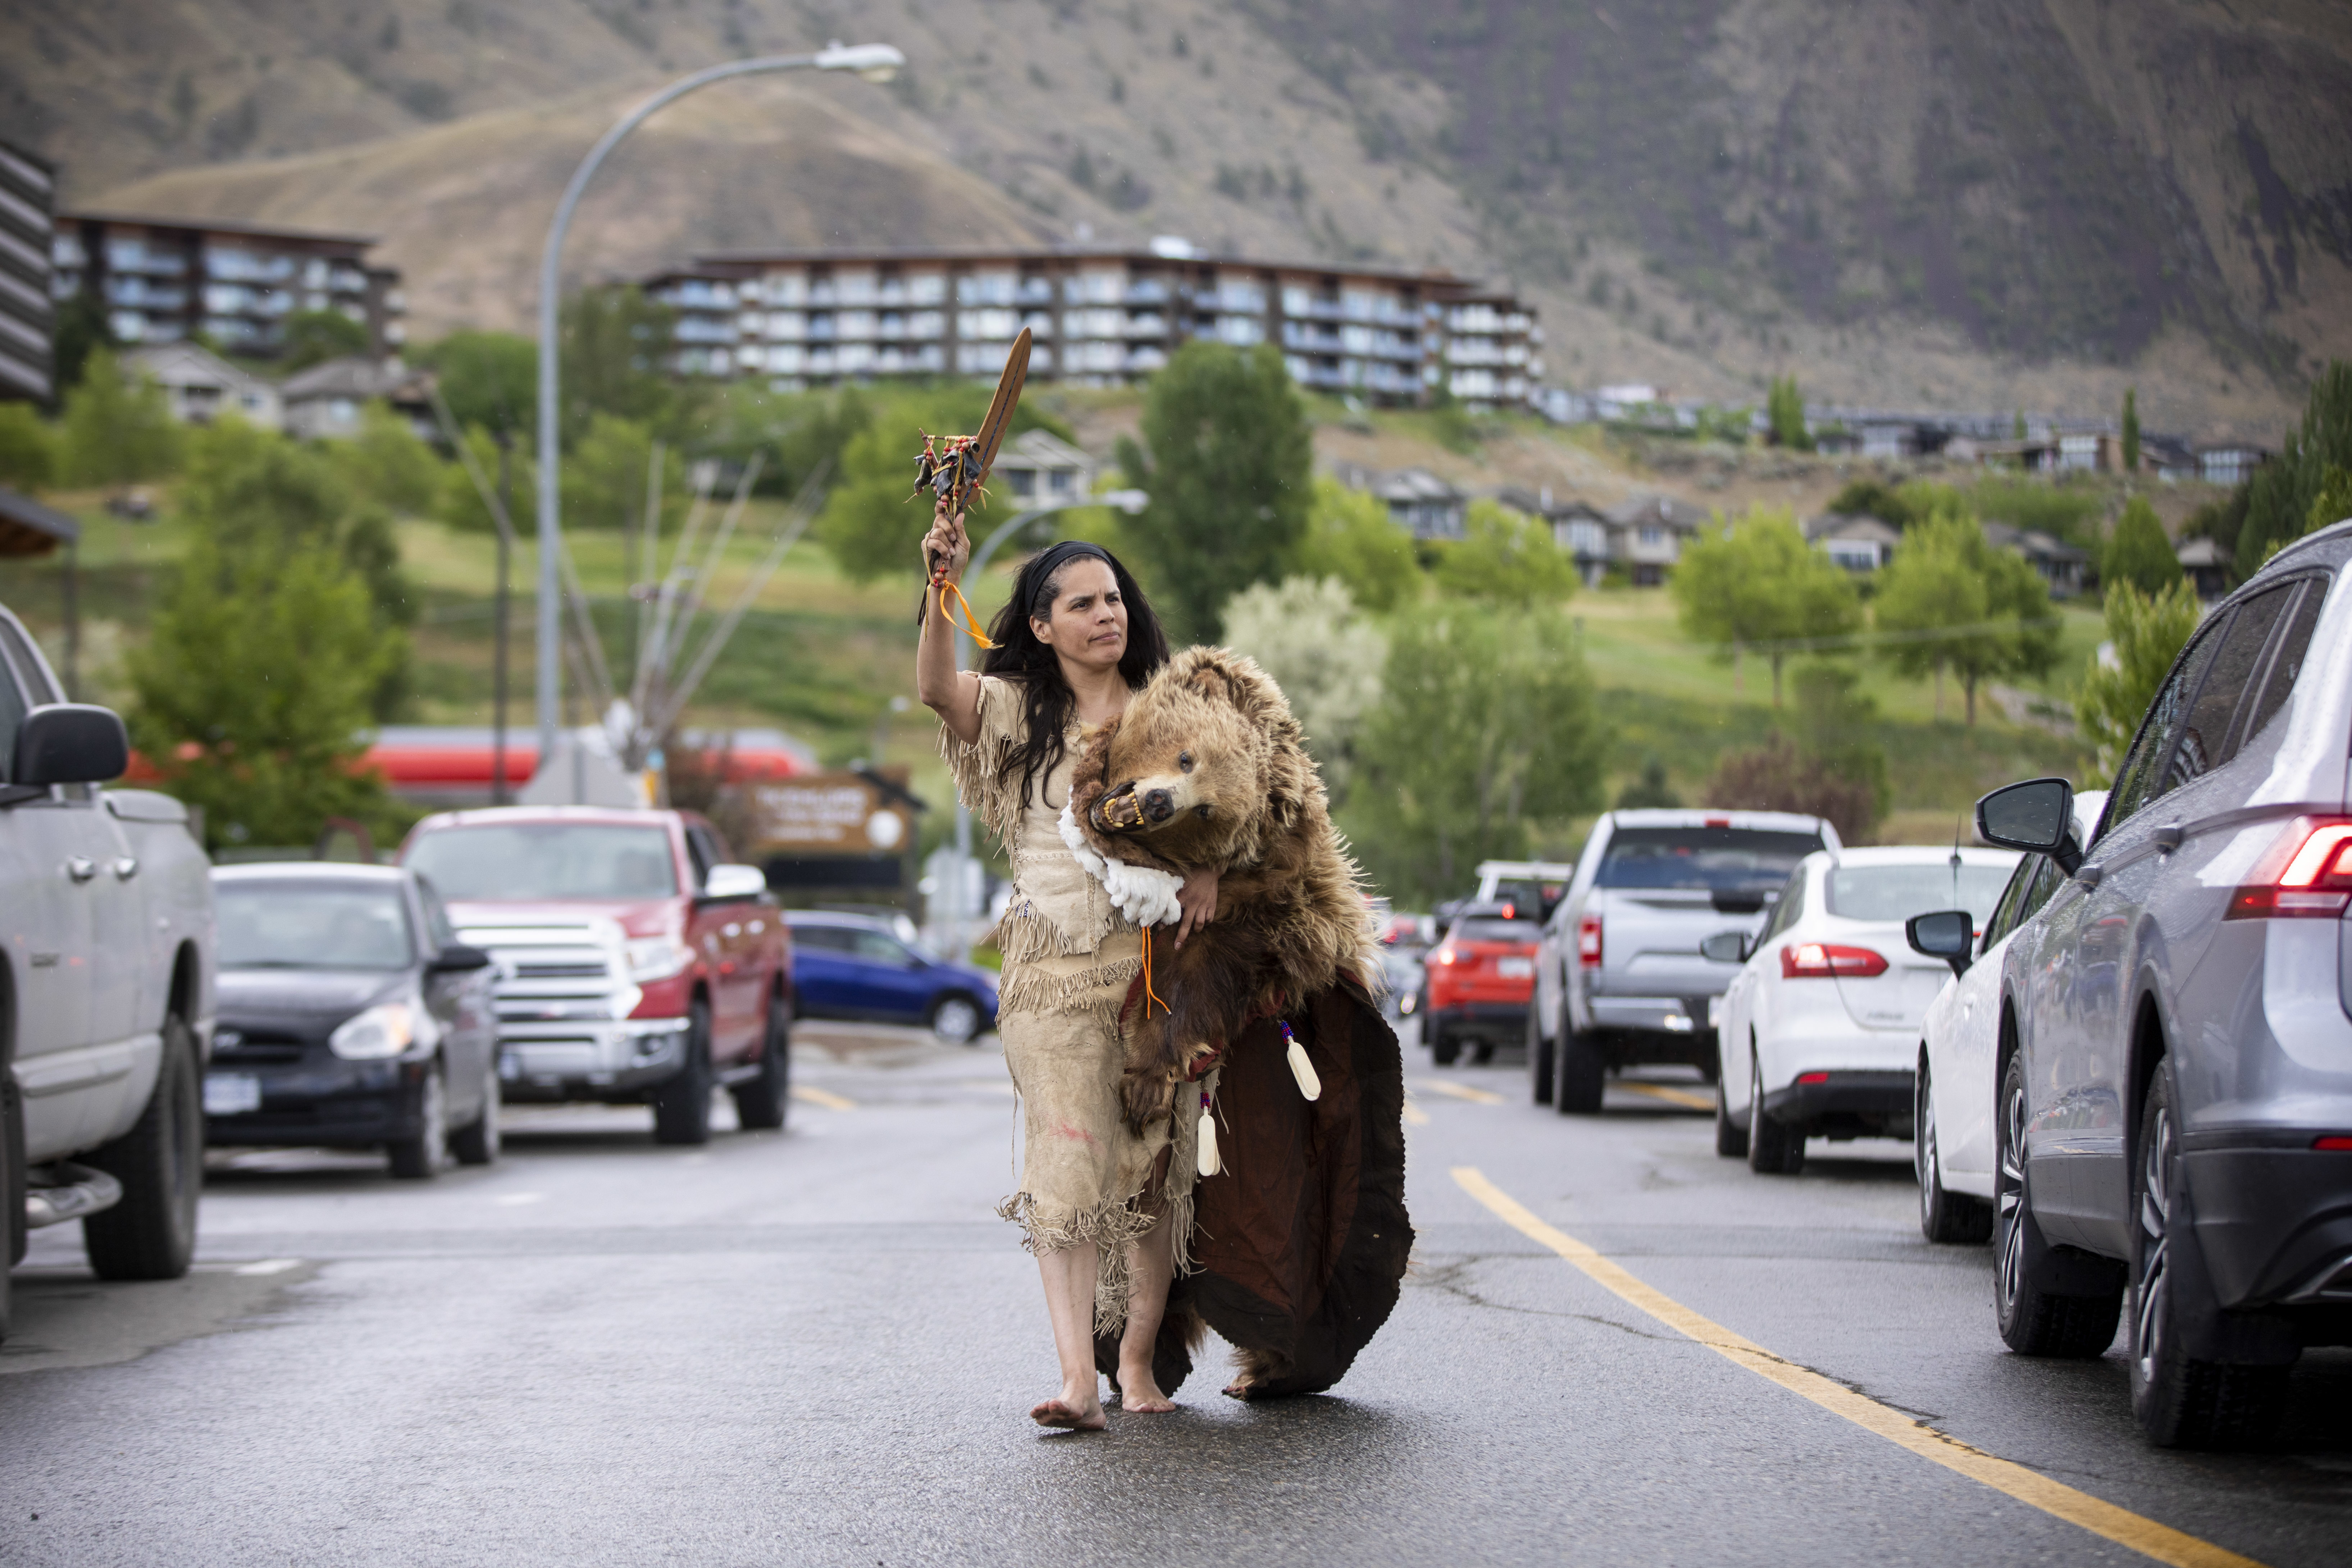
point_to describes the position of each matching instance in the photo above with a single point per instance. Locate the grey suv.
(2174, 1120)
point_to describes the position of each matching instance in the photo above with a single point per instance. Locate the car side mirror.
(69, 742)
(2036, 816)
(457, 958)
(1948, 934)
(726, 882)
(1726, 947)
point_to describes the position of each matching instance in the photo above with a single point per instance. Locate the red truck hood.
(638, 916)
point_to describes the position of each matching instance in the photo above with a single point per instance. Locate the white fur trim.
(1146, 896)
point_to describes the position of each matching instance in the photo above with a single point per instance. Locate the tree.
(2280, 496)
(1350, 536)
(253, 691)
(82, 330)
(2131, 429)
(1756, 582)
(29, 448)
(1954, 603)
(488, 379)
(385, 462)
(1505, 558)
(1869, 497)
(1486, 725)
(615, 345)
(1651, 791)
(1777, 776)
(1227, 458)
(2333, 504)
(1324, 653)
(1784, 408)
(873, 520)
(2139, 554)
(605, 478)
(2145, 634)
(118, 429)
(314, 337)
(456, 502)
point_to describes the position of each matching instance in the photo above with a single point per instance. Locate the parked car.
(2175, 1123)
(638, 963)
(1820, 1025)
(1619, 979)
(351, 1016)
(1479, 979)
(106, 986)
(858, 966)
(1959, 1075)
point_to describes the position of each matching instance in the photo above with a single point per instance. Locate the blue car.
(857, 966)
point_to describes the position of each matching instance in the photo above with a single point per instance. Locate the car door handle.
(2167, 838)
(2090, 876)
(81, 868)
(126, 867)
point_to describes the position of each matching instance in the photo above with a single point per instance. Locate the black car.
(351, 1015)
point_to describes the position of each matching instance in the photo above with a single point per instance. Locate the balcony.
(1145, 324)
(704, 329)
(1146, 292)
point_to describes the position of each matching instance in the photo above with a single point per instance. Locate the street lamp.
(1131, 502)
(870, 62)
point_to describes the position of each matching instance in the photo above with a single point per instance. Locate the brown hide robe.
(1069, 959)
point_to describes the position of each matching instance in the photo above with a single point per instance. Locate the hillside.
(2015, 202)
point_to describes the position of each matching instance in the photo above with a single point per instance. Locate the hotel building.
(1097, 317)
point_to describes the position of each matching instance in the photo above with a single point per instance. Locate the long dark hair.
(1046, 697)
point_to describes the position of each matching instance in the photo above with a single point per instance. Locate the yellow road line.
(2145, 1536)
(1414, 1116)
(1673, 1096)
(823, 1097)
(1459, 1091)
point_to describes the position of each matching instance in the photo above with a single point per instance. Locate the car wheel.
(1953, 1218)
(1730, 1136)
(682, 1106)
(1774, 1148)
(955, 1019)
(1443, 1049)
(1539, 1068)
(1582, 1068)
(2032, 1320)
(760, 1102)
(2181, 1403)
(477, 1143)
(150, 1234)
(425, 1154)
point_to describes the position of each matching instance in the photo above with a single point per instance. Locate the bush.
(1651, 791)
(1776, 776)
(29, 448)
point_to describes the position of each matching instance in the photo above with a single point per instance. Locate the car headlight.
(385, 1029)
(658, 958)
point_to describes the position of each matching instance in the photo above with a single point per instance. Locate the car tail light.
(2307, 874)
(1812, 1078)
(1444, 953)
(2335, 1143)
(1588, 941)
(1823, 961)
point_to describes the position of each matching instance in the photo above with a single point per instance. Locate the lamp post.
(872, 62)
(1128, 501)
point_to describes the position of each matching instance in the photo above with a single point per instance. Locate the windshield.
(1702, 859)
(520, 860)
(1898, 892)
(1525, 931)
(312, 925)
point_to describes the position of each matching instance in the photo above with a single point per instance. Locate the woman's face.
(1087, 624)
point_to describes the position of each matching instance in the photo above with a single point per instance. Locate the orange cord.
(1149, 995)
(970, 621)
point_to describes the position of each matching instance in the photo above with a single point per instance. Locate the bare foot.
(1139, 1393)
(1069, 1414)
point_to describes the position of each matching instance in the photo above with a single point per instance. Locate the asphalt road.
(817, 1346)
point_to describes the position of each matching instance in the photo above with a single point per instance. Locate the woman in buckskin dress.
(1105, 1212)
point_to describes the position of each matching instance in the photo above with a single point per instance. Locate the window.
(13, 707)
(880, 948)
(439, 929)
(1788, 911)
(312, 925)
(2143, 776)
(2011, 907)
(1524, 932)
(547, 860)
(1703, 857)
(2286, 663)
(2205, 730)
(823, 937)
(1898, 892)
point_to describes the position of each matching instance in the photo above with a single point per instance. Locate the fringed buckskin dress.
(1069, 958)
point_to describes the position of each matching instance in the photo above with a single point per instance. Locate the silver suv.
(2174, 1120)
(1620, 978)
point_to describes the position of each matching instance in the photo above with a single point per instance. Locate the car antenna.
(1956, 862)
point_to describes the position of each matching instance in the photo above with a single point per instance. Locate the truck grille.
(553, 973)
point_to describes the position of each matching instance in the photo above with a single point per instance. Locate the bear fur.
(1207, 768)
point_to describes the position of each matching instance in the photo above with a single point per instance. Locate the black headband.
(1050, 561)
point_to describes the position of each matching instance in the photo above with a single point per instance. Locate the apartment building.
(162, 280)
(1096, 317)
(28, 318)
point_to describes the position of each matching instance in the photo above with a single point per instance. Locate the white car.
(1953, 1147)
(1820, 1028)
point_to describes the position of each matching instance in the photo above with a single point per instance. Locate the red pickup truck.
(637, 963)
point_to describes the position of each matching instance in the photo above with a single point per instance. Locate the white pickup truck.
(106, 986)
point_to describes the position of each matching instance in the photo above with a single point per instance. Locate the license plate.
(231, 1093)
(1516, 968)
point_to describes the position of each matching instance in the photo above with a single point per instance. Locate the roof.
(1701, 817)
(1656, 509)
(1043, 450)
(222, 226)
(28, 528)
(2201, 552)
(1854, 526)
(316, 870)
(1140, 254)
(1558, 509)
(210, 368)
(353, 375)
(1921, 854)
(2032, 542)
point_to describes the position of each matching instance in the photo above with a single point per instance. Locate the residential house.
(1096, 317)
(1420, 502)
(2207, 567)
(162, 280)
(1578, 527)
(201, 386)
(27, 315)
(2168, 458)
(2062, 565)
(2230, 462)
(326, 400)
(1647, 534)
(1859, 543)
(1038, 466)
